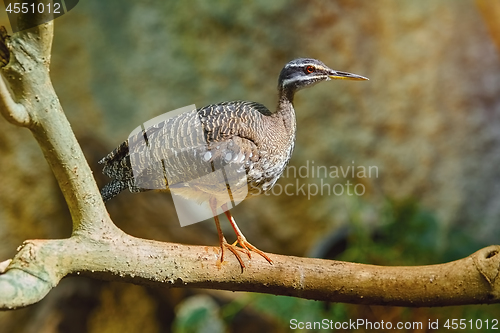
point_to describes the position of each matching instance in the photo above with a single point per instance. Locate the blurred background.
(428, 120)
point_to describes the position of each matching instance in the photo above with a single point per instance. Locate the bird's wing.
(188, 146)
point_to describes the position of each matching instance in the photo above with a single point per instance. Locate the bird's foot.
(234, 250)
(247, 248)
(244, 247)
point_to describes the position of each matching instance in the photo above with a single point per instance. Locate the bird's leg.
(241, 239)
(222, 240)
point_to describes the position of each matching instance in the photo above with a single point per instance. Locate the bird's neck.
(285, 110)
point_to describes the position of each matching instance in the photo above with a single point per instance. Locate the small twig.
(13, 112)
(4, 265)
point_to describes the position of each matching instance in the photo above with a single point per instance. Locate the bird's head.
(304, 72)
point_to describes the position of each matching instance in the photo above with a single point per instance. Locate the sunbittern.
(255, 143)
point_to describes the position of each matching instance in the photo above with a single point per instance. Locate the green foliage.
(198, 314)
(405, 235)
(282, 309)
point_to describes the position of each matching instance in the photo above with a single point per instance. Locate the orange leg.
(222, 240)
(245, 245)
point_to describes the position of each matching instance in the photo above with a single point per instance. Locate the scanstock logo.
(25, 14)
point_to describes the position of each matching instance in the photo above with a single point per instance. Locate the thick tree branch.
(471, 280)
(99, 249)
(27, 73)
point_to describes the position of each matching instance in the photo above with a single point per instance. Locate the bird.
(245, 140)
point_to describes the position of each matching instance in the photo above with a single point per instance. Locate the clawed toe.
(244, 247)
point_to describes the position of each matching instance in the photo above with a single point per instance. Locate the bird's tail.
(111, 189)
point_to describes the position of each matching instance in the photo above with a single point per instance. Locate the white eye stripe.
(316, 66)
(302, 78)
(301, 65)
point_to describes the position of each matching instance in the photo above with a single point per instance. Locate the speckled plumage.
(253, 142)
(243, 135)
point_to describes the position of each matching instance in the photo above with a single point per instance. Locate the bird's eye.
(310, 69)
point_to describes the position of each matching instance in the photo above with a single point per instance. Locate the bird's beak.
(345, 76)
